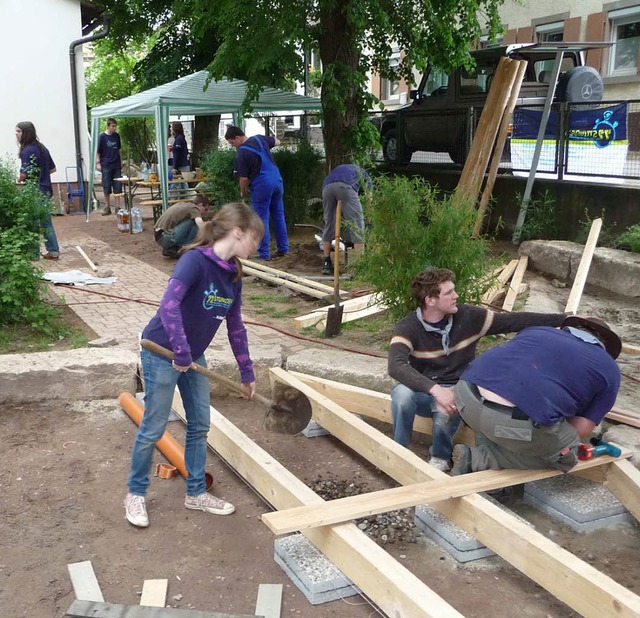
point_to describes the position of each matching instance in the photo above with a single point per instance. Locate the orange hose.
(167, 444)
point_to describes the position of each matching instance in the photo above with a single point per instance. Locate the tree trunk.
(340, 100)
(205, 137)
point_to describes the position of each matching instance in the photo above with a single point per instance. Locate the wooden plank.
(84, 581)
(154, 592)
(351, 305)
(352, 316)
(583, 269)
(573, 581)
(389, 584)
(623, 481)
(269, 603)
(514, 286)
(93, 609)
(429, 492)
(630, 349)
(623, 416)
(499, 146)
(491, 294)
(247, 270)
(92, 266)
(374, 405)
(281, 274)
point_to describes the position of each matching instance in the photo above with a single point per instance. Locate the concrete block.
(611, 269)
(456, 541)
(581, 504)
(220, 359)
(316, 577)
(353, 369)
(82, 374)
(314, 430)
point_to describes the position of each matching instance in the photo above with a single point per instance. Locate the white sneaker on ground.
(209, 504)
(440, 464)
(135, 510)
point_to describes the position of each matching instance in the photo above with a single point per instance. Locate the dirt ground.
(63, 478)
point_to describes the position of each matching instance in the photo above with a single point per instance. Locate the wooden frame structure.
(388, 583)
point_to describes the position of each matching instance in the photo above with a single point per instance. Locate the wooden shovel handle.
(152, 346)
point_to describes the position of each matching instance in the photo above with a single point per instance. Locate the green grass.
(24, 339)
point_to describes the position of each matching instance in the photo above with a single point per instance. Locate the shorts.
(108, 180)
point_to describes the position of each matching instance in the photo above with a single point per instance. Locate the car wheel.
(580, 84)
(390, 149)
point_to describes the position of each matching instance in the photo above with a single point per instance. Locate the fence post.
(563, 141)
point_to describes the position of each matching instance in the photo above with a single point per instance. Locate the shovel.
(289, 418)
(334, 316)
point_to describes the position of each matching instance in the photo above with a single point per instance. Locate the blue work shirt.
(350, 174)
(109, 150)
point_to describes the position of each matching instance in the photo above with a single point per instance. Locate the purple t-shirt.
(350, 174)
(549, 374)
(109, 150)
(201, 293)
(37, 155)
(248, 163)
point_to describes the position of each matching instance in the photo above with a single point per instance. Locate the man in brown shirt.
(180, 223)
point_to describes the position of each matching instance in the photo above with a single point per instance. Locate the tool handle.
(336, 255)
(152, 346)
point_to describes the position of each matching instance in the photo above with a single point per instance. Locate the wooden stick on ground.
(496, 289)
(514, 286)
(93, 267)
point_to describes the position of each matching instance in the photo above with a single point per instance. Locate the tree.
(265, 42)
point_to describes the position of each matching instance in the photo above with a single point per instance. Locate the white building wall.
(518, 15)
(36, 77)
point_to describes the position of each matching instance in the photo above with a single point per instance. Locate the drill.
(597, 448)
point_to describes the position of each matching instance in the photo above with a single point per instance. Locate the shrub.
(300, 168)
(21, 210)
(542, 219)
(409, 227)
(630, 238)
(606, 238)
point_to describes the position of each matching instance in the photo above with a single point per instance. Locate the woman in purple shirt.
(36, 163)
(205, 288)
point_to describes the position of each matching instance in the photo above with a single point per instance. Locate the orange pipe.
(167, 444)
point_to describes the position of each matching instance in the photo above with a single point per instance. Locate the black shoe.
(281, 254)
(170, 253)
(327, 267)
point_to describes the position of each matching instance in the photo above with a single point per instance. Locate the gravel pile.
(391, 527)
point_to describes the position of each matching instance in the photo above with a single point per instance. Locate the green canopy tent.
(183, 96)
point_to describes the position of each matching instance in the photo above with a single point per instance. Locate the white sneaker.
(135, 510)
(209, 504)
(440, 464)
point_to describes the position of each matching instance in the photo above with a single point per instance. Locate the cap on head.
(600, 329)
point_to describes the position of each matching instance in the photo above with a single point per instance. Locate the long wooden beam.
(429, 492)
(396, 590)
(573, 581)
(373, 404)
(623, 481)
(298, 287)
(583, 268)
(514, 287)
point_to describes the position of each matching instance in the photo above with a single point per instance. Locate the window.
(625, 36)
(437, 83)
(390, 88)
(550, 33)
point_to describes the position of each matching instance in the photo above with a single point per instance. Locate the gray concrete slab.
(611, 269)
(359, 370)
(316, 577)
(460, 544)
(82, 374)
(581, 504)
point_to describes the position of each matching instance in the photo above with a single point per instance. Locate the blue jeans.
(406, 404)
(160, 380)
(183, 234)
(50, 238)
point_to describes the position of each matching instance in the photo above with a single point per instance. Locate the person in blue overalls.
(256, 169)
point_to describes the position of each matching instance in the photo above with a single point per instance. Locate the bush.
(300, 168)
(606, 238)
(21, 210)
(409, 227)
(630, 238)
(218, 168)
(542, 219)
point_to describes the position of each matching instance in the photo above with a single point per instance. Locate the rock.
(558, 284)
(103, 342)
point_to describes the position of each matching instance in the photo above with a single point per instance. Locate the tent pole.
(95, 129)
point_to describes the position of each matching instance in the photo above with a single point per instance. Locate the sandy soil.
(63, 477)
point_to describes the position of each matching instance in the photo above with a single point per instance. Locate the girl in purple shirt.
(205, 288)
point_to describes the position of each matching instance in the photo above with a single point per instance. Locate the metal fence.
(587, 141)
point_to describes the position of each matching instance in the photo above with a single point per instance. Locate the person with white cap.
(531, 400)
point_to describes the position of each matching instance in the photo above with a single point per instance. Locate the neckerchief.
(444, 332)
